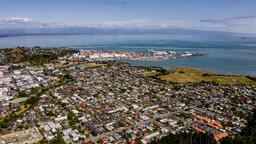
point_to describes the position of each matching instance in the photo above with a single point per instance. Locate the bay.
(226, 55)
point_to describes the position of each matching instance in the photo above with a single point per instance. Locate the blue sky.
(230, 15)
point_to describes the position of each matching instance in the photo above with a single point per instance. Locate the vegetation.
(33, 56)
(248, 134)
(187, 75)
(22, 94)
(57, 139)
(72, 118)
(185, 138)
(251, 78)
(92, 65)
(31, 102)
(155, 72)
(151, 73)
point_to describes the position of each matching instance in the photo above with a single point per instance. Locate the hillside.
(188, 75)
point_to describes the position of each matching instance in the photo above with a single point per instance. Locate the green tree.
(72, 118)
(57, 139)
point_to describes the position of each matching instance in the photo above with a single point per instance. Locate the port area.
(151, 55)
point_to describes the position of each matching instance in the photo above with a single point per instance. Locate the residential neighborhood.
(92, 101)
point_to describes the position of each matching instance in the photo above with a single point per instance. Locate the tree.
(57, 139)
(72, 118)
(185, 138)
(248, 134)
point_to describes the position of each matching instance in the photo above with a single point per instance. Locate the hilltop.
(189, 75)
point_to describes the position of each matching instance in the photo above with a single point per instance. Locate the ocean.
(226, 55)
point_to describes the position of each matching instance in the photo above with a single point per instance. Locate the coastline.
(187, 62)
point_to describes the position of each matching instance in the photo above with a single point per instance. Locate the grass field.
(92, 65)
(153, 73)
(22, 109)
(185, 75)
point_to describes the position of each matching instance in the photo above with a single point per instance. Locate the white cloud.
(239, 24)
(19, 19)
(19, 22)
(136, 21)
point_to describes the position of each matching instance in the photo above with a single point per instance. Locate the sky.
(221, 15)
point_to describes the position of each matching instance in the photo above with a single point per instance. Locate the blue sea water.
(226, 55)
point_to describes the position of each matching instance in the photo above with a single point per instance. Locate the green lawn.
(185, 75)
(92, 65)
